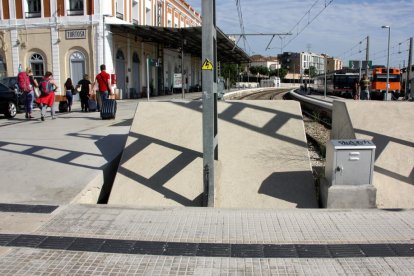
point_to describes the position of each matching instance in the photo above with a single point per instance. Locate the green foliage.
(229, 71)
(311, 72)
(262, 70)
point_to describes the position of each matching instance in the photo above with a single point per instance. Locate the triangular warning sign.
(207, 65)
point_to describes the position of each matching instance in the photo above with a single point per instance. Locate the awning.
(172, 38)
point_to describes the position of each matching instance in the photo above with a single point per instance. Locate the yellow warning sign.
(207, 65)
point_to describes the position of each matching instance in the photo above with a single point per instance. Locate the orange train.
(379, 83)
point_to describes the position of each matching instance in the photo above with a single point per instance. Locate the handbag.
(36, 92)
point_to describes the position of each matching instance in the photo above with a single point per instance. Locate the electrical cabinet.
(349, 162)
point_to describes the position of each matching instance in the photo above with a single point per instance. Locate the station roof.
(173, 38)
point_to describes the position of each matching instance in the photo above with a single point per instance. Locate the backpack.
(45, 87)
(23, 82)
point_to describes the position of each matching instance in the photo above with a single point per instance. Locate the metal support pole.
(182, 70)
(103, 38)
(209, 84)
(367, 57)
(325, 86)
(410, 60)
(148, 80)
(388, 65)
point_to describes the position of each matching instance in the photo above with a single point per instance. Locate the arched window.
(120, 55)
(77, 56)
(38, 65)
(77, 66)
(135, 58)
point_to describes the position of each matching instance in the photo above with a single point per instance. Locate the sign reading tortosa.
(75, 34)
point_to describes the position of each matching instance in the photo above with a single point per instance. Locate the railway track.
(276, 94)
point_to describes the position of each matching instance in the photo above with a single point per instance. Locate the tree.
(281, 73)
(311, 72)
(229, 71)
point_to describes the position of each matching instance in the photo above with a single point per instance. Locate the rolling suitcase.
(92, 105)
(108, 109)
(63, 106)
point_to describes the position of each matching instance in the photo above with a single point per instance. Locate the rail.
(312, 101)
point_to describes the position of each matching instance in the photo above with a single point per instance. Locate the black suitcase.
(92, 105)
(63, 106)
(108, 109)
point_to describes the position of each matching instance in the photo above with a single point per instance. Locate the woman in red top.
(47, 97)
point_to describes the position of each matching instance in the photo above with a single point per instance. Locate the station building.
(74, 37)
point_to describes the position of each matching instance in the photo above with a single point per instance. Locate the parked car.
(8, 101)
(11, 82)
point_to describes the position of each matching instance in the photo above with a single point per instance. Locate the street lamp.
(388, 62)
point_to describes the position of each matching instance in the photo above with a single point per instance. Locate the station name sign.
(75, 34)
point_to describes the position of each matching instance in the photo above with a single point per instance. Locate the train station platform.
(47, 168)
(263, 157)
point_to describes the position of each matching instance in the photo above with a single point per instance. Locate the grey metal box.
(349, 162)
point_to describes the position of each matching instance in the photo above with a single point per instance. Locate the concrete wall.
(390, 126)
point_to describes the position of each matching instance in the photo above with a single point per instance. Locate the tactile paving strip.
(25, 208)
(209, 249)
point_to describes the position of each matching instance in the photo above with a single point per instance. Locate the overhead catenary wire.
(308, 13)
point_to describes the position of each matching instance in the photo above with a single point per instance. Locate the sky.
(340, 29)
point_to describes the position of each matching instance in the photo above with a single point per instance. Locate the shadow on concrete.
(381, 142)
(289, 186)
(163, 175)
(279, 119)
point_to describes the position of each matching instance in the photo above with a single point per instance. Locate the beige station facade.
(74, 37)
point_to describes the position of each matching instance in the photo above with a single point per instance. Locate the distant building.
(299, 63)
(333, 64)
(270, 62)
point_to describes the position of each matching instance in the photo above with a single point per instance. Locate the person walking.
(27, 84)
(47, 88)
(84, 94)
(104, 86)
(355, 89)
(69, 88)
(364, 83)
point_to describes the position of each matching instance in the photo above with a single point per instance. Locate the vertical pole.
(367, 57)
(148, 80)
(103, 39)
(325, 88)
(182, 70)
(388, 65)
(410, 60)
(209, 84)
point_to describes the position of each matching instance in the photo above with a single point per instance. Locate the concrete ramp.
(263, 157)
(390, 126)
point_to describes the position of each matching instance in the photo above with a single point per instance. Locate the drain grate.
(52, 242)
(86, 244)
(209, 249)
(247, 250)
(117, 246)
(27, 241)
(345, 250)
(25, 208)
(313, 251)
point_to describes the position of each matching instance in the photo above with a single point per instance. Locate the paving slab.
(121, 240)
(51, 162)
